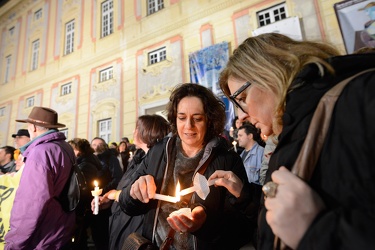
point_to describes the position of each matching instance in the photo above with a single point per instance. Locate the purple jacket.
(37, 220)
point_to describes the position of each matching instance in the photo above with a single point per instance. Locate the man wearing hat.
(21, 138)
(37, 219)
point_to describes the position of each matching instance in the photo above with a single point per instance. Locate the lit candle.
(231, 129)
(168, 198)
(96, 192)
(234, 146)
(131, 154)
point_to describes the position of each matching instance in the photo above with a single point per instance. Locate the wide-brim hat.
(44, 117)
(21, 132)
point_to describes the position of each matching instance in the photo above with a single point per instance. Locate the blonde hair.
(272, 61)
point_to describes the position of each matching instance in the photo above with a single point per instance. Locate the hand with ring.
(291, 206)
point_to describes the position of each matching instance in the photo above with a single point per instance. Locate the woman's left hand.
(293, 209)
(181, 223)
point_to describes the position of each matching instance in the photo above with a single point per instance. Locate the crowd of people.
(150, 191)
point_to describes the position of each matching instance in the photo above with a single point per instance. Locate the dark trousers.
(99, 225)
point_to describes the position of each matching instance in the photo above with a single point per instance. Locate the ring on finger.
(270, 189)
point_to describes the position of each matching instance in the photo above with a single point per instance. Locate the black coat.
(225, 227)
(344, 174)
(121, 224)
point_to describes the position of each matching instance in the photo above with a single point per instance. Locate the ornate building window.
(66, 89)
(38, 14)
(30, 102)
(8, 61)
(157, 56)
(35, 54)
(107, 18)
(105, 128)
(154, 6)
(272, 14)
(106, 74)
(69, 37)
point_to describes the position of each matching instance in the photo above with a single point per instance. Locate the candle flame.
(95, 183)
(178, 188)
(234, 142)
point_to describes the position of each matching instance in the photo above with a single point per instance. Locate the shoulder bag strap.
(312, 146)
(310, 151)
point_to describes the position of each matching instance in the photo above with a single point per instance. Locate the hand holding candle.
(96, 192)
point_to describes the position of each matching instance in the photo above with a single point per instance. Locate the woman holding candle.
(276, 83)
(197, 118)
(90, 166)
(149, 130)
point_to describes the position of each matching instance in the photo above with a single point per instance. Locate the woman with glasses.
(276, 84)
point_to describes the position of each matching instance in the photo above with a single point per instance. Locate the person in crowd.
(124, 155)
(7, 162)
(252, 155)
(113, 145)
(90, 166)
(109, 176)
(131, 146)
(237, 123)
(9, 183)
(276, 83)
(37, 219)
(21, 138)
(148, 131)
(197, 118)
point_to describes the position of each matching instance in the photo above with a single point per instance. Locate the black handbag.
(136, 241)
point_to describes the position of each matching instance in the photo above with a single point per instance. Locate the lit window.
(38, 14)
(105, 127)
(30, 102)
(106, 74)
(157, 56)
(35, 55)
(2, 111)
(154, 6)
(69, 37)
(107, 18)
(66, 89)
(271, 15)
(8, 60)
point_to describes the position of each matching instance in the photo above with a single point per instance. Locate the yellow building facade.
(102, 63)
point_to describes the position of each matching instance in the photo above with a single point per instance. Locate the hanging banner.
(205, 67)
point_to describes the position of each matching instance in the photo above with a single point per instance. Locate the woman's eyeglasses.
(233, 97)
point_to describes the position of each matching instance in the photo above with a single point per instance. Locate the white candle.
(168, 198)
(234, 146)
(96, 192)
(131, 154)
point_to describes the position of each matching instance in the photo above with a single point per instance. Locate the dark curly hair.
(214, 108)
